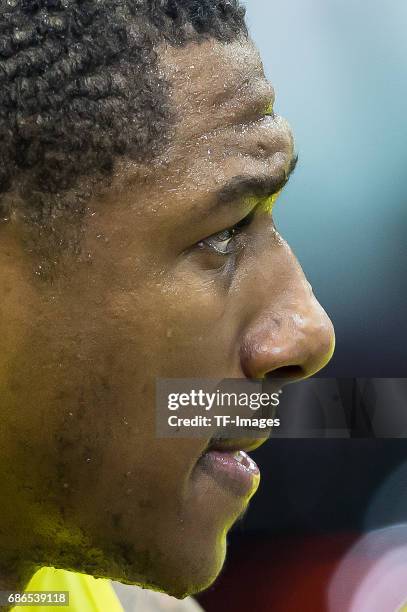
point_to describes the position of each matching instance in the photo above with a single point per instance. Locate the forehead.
(211, 76)
(220, 96)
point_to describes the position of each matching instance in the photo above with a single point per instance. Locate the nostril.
(286, 373)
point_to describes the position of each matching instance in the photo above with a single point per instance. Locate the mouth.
(227, 462)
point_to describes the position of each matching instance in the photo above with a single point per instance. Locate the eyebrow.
(259, 186)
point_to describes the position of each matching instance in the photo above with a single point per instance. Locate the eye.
(224, 242)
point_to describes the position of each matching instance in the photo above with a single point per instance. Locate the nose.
(289, 341)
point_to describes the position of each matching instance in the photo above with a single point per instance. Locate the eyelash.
(226, 235)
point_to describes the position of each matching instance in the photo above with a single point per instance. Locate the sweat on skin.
(86, 484)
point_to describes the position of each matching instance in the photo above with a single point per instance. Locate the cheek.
(172, 329)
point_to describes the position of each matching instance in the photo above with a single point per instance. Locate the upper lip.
(234, 444)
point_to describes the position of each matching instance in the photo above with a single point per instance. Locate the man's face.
(176, 280)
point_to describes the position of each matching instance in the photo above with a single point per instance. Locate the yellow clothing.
(86, 594)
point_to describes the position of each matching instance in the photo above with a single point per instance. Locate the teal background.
(339, 68)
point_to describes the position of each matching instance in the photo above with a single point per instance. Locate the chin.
(191, 583)
(180, 573)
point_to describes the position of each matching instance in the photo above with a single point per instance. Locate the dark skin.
(87, 486)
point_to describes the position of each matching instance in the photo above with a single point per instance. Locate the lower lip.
(234, 471)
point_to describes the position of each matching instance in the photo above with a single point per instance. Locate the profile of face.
(185, 276)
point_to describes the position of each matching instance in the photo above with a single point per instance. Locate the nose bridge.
(277, 280)
(289, 333)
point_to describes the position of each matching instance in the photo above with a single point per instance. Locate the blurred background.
(329, 508)
(339, 68)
